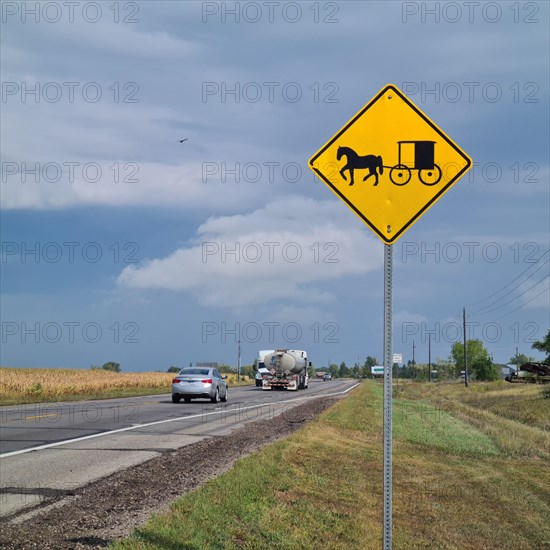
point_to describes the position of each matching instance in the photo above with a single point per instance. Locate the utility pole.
(430, 357)
(414, 362)
(517, 360)
(397, 375)
(239, 363)
(465, 352)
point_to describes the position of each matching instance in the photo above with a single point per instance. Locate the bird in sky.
(182, 140)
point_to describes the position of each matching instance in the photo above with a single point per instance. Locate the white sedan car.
(195, 383)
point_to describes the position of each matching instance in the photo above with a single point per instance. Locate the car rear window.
(201, 372)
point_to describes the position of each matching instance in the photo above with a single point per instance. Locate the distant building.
(507, 370)
(206, 365)
(377, 370)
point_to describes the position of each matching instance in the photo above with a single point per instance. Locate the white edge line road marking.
(137, 426)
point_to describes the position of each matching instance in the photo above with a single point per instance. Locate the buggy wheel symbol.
(400, 174)
(430, 176)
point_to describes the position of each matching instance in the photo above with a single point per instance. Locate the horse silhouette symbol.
(357, 162)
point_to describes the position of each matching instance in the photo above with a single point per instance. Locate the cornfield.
(58, 383)
(232, 378)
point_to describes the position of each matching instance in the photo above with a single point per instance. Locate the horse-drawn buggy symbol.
(429, 173)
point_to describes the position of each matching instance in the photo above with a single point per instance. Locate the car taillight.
(176, 381)
(207, 381)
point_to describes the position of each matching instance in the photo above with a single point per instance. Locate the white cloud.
(278, 252)
(60, 184)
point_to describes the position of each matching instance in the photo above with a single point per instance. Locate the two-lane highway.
(26, 427)
(63, 446)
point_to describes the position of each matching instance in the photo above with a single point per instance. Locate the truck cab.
(259, 366)
(261, 373)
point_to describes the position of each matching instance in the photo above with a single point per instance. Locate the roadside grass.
(454, 488)
(516, 417)
(422, 423)
(525, 403)
(19, 386)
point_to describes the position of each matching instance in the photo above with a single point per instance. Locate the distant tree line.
(110, 366)
(480, 365)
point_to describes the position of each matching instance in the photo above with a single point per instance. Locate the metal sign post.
(388, 261)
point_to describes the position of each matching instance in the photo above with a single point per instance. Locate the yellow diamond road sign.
(390, 163)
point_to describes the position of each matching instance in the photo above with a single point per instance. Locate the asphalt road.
(55, 447)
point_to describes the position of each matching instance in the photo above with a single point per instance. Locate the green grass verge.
(454, 488)
(515, 417)
(422, 423)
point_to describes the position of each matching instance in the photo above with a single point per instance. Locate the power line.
(522, 305)
(509, 301)
(482, 312)
(515, 279)
(510, 291)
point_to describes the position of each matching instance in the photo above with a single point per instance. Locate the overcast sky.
(119, 243)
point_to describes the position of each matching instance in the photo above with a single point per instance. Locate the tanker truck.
(287, 369)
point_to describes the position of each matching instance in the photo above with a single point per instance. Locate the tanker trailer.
(288, 369)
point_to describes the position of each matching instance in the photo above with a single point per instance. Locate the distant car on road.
(195, 383)
(327, 377)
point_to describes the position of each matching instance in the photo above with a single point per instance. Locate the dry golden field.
(48, 384)
(34, 385)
